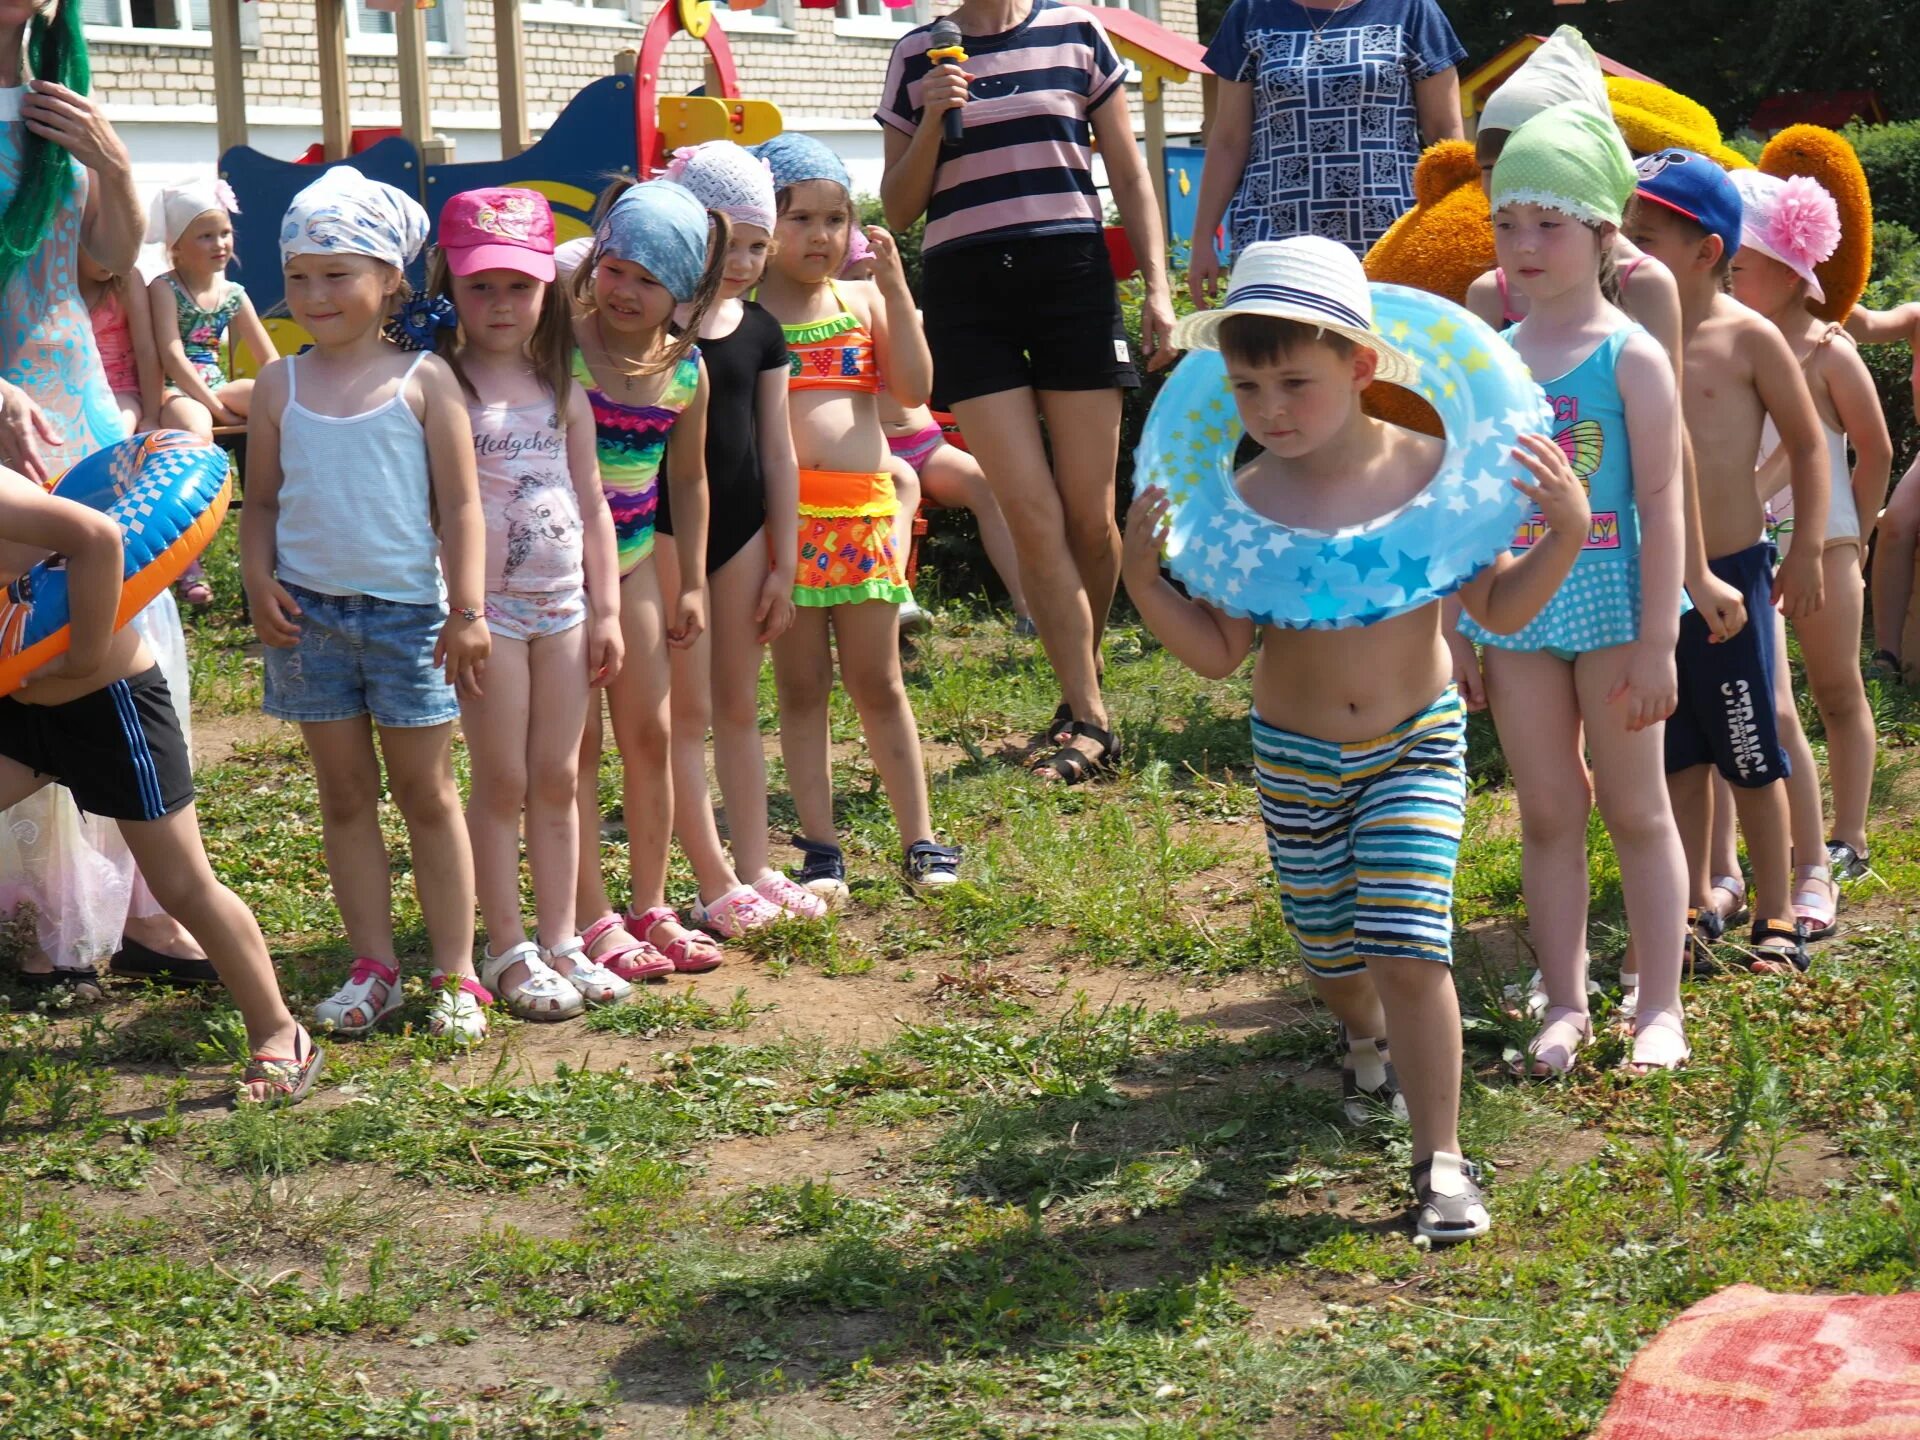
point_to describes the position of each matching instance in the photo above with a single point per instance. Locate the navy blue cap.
(1690, 184)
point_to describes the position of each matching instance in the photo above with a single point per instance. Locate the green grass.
(978, 1190)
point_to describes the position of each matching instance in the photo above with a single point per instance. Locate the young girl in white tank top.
(1774, 274)
(358, 452)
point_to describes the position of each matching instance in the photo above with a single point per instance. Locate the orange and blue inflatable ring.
(168, 490)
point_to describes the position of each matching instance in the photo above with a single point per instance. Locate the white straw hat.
(1308, 279)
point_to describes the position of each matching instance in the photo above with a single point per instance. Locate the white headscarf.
(178, 206)
(1563, 69)
(344, 213)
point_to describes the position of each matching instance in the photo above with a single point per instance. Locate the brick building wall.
(825, 75)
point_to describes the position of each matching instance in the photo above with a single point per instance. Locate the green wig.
(57, 51)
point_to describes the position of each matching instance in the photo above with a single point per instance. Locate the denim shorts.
(358, 655)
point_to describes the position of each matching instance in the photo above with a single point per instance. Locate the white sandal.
(459, 1010)
(543, 995)
(356, 998)
(1669, 1054)
(596, 983)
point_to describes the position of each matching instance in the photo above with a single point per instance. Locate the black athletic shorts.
(1725, 717)
(1040, 312)
(119, 750)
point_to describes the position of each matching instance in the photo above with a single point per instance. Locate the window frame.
(386, 47)
(774, 17)
(577, 12)
(177, 37)
(882, 26)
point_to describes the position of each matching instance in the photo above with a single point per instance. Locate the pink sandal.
(692, 954)
(638, 961)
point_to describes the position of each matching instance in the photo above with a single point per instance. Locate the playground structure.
(618, 125)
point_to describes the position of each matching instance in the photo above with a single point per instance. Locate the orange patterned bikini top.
(832, 354)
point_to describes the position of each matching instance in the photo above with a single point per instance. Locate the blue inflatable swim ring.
(1226, 553)
(168, 490)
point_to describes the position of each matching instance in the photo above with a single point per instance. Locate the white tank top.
(354, 501)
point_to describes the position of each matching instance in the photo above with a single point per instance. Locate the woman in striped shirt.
(1021, 312)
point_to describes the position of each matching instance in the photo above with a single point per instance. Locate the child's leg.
(1830, 646)
(1893, 550)
(170, 855)
(1723, 850)
(1405, 835)
(128, 403)
(906, 496)
(870, 669)
(1629, 784)
(691, 709)
(739, 759)
(1536, 712)
(803, 677)
(1765, 821)
(637, 701)
(236, 395)
(178, 412)
(954, 479)
(1806, 808)
(558, 702)
(420, 774)
(497, 724)
(347, 772)
(591, 900)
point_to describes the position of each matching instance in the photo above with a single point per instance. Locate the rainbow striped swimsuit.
(632, 443)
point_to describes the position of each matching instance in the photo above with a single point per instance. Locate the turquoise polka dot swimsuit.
(1598, 604)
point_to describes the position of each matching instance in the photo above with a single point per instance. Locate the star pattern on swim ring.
(1227, 553)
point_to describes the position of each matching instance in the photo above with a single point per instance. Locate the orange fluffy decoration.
(1442, 245)
(1828, 158)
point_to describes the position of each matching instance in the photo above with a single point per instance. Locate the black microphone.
(947, 48)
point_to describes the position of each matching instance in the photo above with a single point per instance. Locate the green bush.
(1890, 155)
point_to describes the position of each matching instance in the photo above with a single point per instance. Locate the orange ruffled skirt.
(847, 552)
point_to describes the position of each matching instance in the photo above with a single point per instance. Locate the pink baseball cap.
(498, 230)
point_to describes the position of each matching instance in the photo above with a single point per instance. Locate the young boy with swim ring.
(1358, 733)
(99, 720)
(1738, 373)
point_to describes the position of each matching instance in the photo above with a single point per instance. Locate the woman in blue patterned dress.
(1323, 109)
(66, 182)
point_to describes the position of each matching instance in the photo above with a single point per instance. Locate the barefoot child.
(752, 552)
(846, 340)
(353, 446)
(1739, 372)
(1597, 664)
(100, 721)
(1358, 735)
(1789, 227)
(123, 334)
(552, 594)
(655, 248)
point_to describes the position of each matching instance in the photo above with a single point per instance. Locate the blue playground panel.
(590, 144)
(265, 187)
(1183, 196)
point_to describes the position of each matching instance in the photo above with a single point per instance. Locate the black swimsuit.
(736, 493)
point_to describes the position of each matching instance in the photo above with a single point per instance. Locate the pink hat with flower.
(1792, 220)
(498, 229)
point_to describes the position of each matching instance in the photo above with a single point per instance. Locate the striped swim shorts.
(1364, 836)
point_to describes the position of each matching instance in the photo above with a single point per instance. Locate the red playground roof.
(1154, 38)
(1831, 108)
